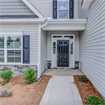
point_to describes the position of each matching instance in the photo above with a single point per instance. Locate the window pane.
(18, 53)
(11, 59)
(1, 42)
(14, 42)
(14, 56)
(1, 56)
(17, 59)
(63, 5)
(63, 14)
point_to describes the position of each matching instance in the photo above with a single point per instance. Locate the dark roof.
(18, 16)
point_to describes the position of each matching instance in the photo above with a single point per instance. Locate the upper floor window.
(63, 9)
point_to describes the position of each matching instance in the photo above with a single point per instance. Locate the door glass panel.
(54, 47)
(71, 48)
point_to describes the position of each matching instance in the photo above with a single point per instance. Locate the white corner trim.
(86, 3)
(32, 8)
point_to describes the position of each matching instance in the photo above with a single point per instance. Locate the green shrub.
(83, 79)
(29, 75)
(6, 76)
(94, 100)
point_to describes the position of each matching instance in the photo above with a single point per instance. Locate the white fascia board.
(30, 20)
(30, 6)
(86, 3)
(74, 21)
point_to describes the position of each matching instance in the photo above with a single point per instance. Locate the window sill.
(15, 64)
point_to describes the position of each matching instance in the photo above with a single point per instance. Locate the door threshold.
(62, 68)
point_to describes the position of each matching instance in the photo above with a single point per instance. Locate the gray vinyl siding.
(92, 45)
(43, 51)
(45, 7)
(14, 7)
(26, 29)
(49, 35)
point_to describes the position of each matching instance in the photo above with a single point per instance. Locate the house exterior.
(44, 34)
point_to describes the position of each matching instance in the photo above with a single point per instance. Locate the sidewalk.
(61, 91)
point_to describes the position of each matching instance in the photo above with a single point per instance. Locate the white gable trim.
(86, 3)
(30, 6)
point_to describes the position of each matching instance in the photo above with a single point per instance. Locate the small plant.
(6, 76)
(29, 75)
(5, 93)
(27, 88)
(94, 100)
(83, 79)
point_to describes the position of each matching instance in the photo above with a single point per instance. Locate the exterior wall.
(92, 45)
(14, 7)
(45, 7)
(26, 29)
(43, 51)
(76, 43)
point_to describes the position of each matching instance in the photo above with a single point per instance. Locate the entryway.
(63, 53)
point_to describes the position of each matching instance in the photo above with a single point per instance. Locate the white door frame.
(71, 56)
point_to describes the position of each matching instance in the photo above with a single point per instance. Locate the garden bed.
(85, 89)
(24, 94)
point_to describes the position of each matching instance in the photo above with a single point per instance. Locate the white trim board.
(54, 56)
(87, 3)
(30, 6)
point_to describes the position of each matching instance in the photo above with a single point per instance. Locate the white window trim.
(6, 49)
(62, 9)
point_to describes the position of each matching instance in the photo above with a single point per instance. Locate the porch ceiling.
(65, 25)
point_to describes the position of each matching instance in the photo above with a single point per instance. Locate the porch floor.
(63, 72)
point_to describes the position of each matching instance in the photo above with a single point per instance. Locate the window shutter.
(54, 9)
(71, 9)
(26, 49)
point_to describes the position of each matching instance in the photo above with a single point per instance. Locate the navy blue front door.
(63, 53)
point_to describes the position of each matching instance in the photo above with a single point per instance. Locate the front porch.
(62, 72)
(59, 44)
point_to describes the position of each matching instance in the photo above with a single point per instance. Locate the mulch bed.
(85, 89)
(24, 94)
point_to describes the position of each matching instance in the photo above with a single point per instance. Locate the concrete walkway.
(61, 91)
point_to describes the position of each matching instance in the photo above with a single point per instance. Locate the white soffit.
(65, 25)
(86, 3)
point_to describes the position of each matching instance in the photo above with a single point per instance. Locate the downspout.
(39, 46)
